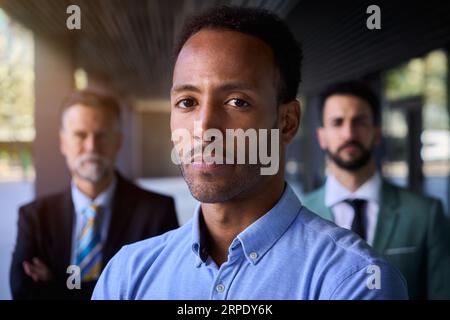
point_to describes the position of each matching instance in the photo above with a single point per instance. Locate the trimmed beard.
(245, 177)
(95, 171)
(352, 165)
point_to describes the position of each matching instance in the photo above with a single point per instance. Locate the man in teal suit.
(409, 229)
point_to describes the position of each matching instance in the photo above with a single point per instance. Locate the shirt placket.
(226, 274)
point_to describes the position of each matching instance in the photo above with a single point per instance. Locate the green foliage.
(427, 77)
(16, 82)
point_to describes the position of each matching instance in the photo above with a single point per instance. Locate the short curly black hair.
(354, 88)
(263, 25)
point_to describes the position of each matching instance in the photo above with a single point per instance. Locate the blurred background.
(125, 47)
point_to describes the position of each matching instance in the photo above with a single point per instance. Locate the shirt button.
(253, 255)
(220, 288)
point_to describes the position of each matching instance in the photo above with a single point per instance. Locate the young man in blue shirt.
(250, 238)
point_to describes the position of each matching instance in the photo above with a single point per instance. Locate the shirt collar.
(261, 235)
(336, 193)
(82, 201)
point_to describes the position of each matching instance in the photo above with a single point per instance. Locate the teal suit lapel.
(387, 217)
(320, 208)
(328, 214)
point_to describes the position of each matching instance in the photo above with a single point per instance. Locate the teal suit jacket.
(412, 233)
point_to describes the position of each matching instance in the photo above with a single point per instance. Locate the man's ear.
(289, 116)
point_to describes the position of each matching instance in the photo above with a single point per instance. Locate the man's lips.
(351, 148)
(206, 166)
(202, 165)
(92, 162)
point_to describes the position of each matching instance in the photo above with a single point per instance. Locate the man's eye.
(336, 123)
(80, 135)
(186, 103)
(238, 103)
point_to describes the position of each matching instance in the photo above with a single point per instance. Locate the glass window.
(16, 101)
(80, 78)
(423, 79)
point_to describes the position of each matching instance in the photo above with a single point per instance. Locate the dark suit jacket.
(412, 233)
(45, 231)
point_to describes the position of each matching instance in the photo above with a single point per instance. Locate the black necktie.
(358, 225)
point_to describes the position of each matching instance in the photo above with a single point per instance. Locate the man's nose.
(348, 131)
(210, 116)
(90, 143)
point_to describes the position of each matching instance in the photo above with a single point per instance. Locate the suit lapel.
(387, 217)
(62, 230)
(120, 218)
(324, 211)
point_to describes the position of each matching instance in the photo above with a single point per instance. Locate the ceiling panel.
(128, 42)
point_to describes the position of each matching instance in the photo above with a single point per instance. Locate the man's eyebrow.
(360, 116)
(236, 86)
(335, 118)
(231, 86)
(184, 87)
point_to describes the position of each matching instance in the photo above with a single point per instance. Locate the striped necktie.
(89, 247)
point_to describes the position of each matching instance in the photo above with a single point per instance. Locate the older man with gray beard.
(65, 240)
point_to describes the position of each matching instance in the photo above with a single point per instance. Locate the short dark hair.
(91, 99)
(354, 88)
(263, 25)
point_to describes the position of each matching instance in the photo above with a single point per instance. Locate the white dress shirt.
(336, 194)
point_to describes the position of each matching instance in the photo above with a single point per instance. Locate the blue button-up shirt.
(288, 253)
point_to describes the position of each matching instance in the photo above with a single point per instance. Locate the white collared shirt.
(336, 194)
